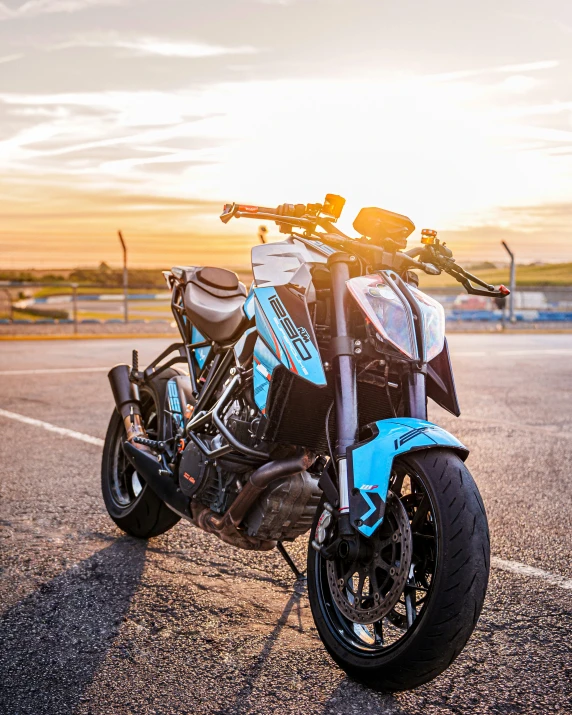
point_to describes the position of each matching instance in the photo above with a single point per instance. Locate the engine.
(284, 511)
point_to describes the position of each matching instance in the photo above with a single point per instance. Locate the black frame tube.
(214, 417)
(216, 374)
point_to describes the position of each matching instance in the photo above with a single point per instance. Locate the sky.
(148, 115)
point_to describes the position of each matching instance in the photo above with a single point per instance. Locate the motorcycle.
(302, 406)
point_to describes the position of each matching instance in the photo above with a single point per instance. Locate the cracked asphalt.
(95, 622)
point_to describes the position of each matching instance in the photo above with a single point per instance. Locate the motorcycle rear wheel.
(439, 607)
(132, 505)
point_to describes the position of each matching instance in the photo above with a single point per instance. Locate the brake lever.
(500, 292)
(466, 279)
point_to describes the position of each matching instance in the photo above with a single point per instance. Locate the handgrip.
(246, 210)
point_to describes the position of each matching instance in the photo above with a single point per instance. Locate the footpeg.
(151, 443)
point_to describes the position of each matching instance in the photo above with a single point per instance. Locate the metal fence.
(70, 303)
(531, 304)
(65, 304)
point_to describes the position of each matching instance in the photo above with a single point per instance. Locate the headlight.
(385, 310)
(391, 315)
(433, 316)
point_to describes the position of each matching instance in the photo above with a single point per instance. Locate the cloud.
(484, 242)
(10, 58)
(501, 69)
(43, 7)
(194, 50)
(540, 217)
(519, 84)
(529, 66)
(154, 46)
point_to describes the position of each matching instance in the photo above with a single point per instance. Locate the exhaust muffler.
(127, 402)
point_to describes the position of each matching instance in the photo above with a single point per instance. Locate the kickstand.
(299, 575)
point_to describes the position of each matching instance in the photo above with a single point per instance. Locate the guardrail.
(100, 306)
(72, 304)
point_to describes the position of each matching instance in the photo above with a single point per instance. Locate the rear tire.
(447, 609)
(132, 505)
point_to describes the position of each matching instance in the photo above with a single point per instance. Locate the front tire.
(132, 505)
(441, 602)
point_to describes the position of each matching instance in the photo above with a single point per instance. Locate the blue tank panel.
(264, 364)
(201, 354)
(291, 342)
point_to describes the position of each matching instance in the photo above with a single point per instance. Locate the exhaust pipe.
(262, 478)
(226, 526)
(127, 401)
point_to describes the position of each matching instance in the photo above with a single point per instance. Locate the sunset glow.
(149, 120)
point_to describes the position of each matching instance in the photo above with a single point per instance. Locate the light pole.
(125, 279)
(10, 307)
(74, 305)
(512, 283)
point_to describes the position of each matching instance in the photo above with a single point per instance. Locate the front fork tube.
(345, 381)
(416, 394)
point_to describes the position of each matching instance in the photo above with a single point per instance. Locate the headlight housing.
(391, 316)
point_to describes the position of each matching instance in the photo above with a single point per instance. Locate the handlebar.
(432, 258)
(281, 213)
(231, 210)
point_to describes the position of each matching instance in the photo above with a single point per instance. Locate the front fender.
(370, 464)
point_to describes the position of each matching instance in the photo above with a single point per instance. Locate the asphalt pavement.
(92, 621)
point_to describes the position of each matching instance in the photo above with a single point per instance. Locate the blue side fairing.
(264, 364)
(248, 306)
(370, 464)
(174, 401)
(292, 345)
(201, 354)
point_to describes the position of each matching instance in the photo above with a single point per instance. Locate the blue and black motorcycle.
(301, 405)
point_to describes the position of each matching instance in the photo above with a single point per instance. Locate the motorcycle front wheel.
(396, 615)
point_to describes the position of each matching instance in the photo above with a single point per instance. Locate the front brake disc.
(367, 588)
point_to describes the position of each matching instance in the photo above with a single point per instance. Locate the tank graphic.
(283, 322)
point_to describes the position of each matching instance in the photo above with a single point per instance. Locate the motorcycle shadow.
(344, 698)
(351, 697)
(54, 640)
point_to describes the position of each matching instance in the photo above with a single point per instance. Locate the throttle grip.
(293, 210)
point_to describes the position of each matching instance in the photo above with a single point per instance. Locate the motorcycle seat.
(214, 300)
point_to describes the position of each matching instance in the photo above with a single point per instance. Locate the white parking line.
(48, 371)
(531, 571)
(51, 428)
